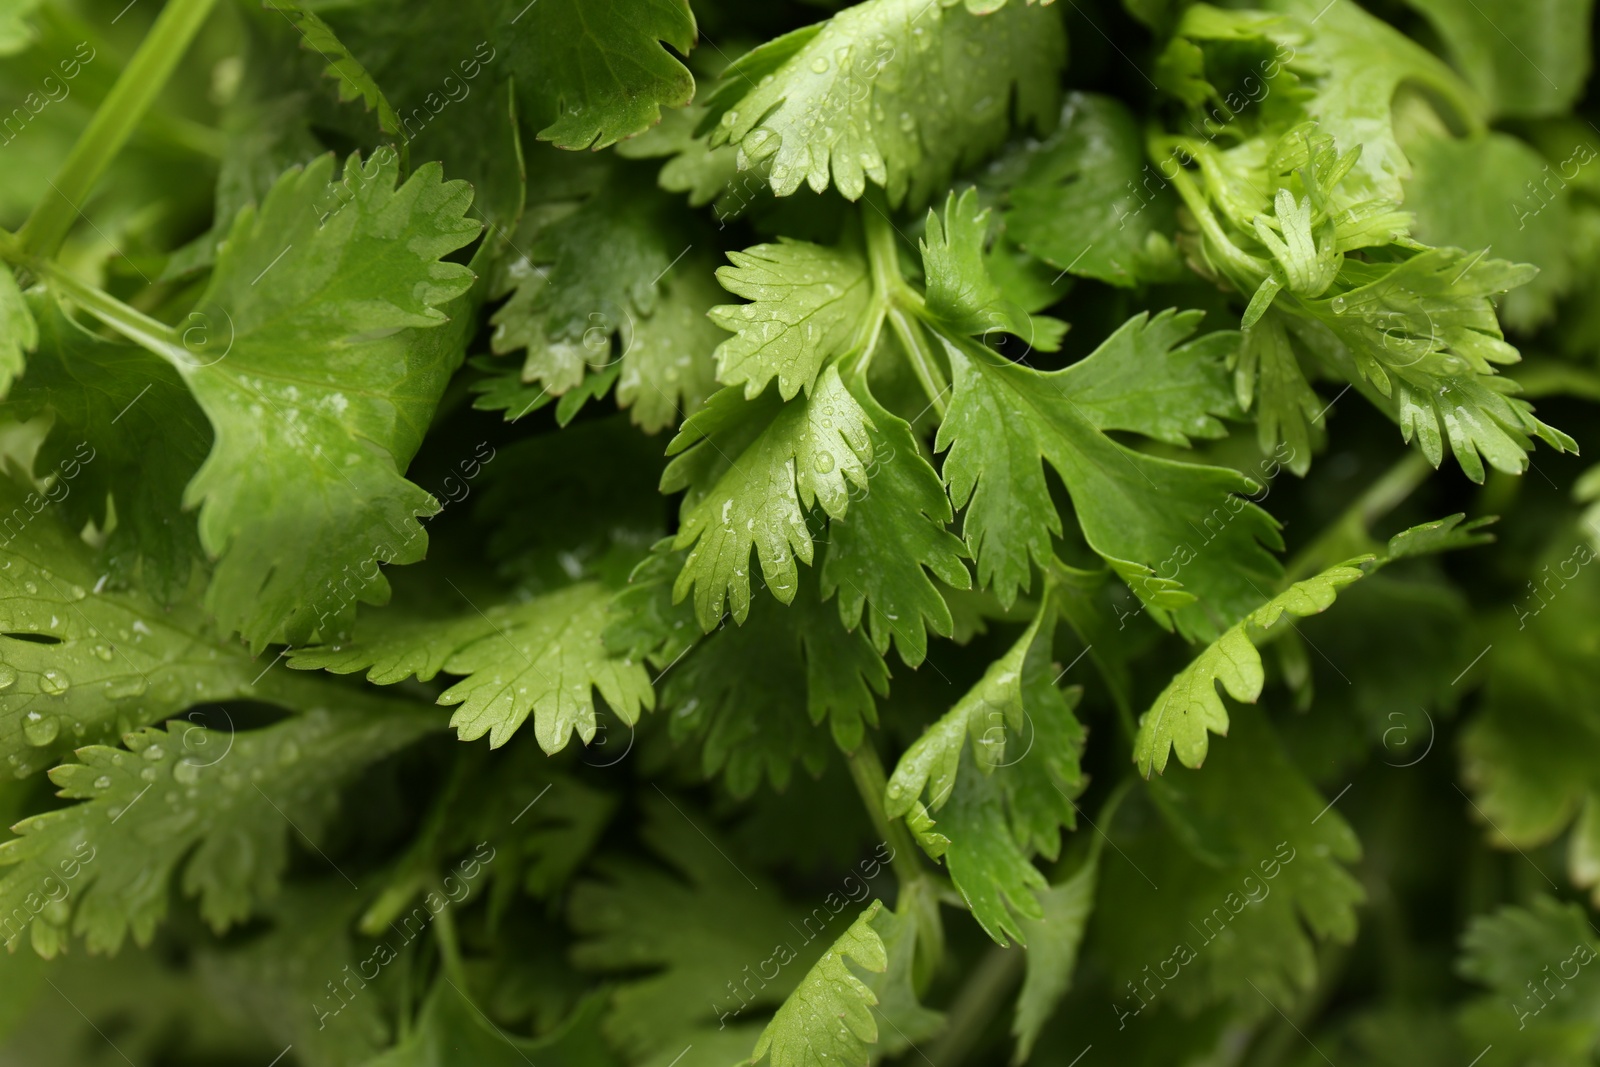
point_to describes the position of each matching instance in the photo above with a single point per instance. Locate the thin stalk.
(865, 344)
(977, 1002)
(1382, 497)
(444, 928)
(132, 323)
(416, 867)
(136, 89)
(883, 258)
(98, 77)
(923, 362)
(867, 771)
(1239, 264)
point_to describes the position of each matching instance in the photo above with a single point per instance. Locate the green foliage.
(225, 819)
(541, 656)
(934, 413)
(316, 441)
(907, 91)
(1189, 707)
(802, 1032)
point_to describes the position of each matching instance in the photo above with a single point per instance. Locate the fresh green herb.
(671, 533)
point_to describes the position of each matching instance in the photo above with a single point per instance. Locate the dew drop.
(102, 652)
(8, 677)
(186, 772)
(824, 462)
(760, 143)
(40, 731)
(103, 782)
(153, 753)
(30, 587)
(54, 683)
(126, 688)
(820, 65)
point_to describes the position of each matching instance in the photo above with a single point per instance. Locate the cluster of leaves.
(795, 701)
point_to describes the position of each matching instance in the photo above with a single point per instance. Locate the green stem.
(444, 926)
(417, 867)
(867, 771)
(97, 79)
(138, 327)
(1352, 528)
(923, 362)
(976, 1004)
(902, 302)
(865, 345)
(141, 81)
(1243, 270)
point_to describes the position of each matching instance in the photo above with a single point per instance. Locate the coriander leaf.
(1529, 754)
(1526, 60)
(1137, 511)
(985, 712)
(1069, 203)
(600, 274)
(19, 335)
(1441, 535)
(961, 296)
(989, 868)
(501, 388)
(541, 656)
(451, 1029)
(882, 552)
(269, 981)
(1452, 182)
(1053, 943)
(665, 368)
(1268, 376)
(755, 692)
(902, 92)
(989, 828)
(353, 80)
(320, 398)
(751, 467)
(1355, 63)
(1292, 206)
(1153, 377)
(599, 68)
(807, 302)
(132, 413)
(1189, 706)
(83, 663)
(1523, 954)
(587, 73)
(1251, 864)
(829, 1018)
(1424, 333)
(225, 820)
(701, 933)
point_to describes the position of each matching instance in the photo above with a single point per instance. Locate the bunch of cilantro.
(677, 533)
